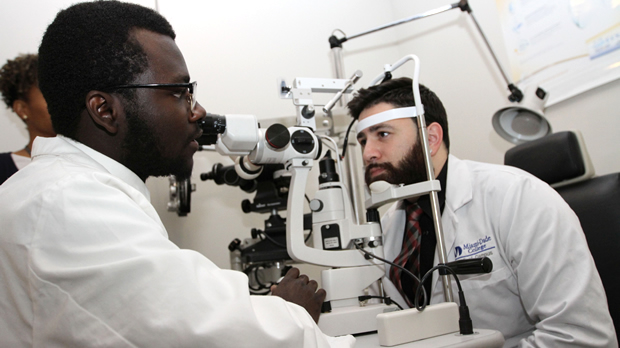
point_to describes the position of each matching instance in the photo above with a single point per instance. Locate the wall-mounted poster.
(565, 47)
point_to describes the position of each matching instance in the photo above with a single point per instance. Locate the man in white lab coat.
(84, 258)
(544, 290)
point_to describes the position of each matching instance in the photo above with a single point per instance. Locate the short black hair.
(399, 92)
(91, 46)
(17, 77)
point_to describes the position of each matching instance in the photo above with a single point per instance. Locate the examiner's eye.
(383, 134)
(179, 94)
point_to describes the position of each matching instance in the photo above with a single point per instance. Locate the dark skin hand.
(300, 290)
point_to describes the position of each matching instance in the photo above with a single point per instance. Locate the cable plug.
(466, 326)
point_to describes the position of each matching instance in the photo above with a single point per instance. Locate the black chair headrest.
(558, 159)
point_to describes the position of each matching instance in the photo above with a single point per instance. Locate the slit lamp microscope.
(337, 237)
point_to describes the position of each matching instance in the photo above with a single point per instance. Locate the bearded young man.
(544, 290)
(84, 258)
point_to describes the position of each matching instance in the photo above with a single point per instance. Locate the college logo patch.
(457, 251)
(478, 248)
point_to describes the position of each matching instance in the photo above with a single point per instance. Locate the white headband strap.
(388, 115)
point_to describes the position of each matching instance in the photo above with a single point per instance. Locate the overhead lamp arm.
(336, 43)
(515, 93)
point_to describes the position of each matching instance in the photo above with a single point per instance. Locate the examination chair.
(561, 160)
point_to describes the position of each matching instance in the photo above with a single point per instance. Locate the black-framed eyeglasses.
(191, 88)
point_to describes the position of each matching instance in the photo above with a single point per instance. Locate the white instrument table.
(481, 338)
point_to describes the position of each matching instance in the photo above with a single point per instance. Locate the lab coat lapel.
(394, 222)
(458, 193)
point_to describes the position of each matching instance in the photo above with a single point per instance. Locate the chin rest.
(562, 161)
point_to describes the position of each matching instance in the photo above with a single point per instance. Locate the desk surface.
(480, 339)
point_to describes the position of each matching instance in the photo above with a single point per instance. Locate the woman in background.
(20, 91)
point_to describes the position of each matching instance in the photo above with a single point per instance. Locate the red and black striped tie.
(409, 250)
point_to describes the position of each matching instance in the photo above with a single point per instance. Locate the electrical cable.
(425, 277)
(258, 281)
(346, 138)
(388, 300)
(252, 271)
(465, 322)
(335, 150)
(267, 236)
(369, 255)
(466, 326)
(342, 32)
(262, 289)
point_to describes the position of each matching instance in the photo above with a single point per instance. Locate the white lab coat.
(86, 262)
(544, 290)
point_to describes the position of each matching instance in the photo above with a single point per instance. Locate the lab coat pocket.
(498, 277)
(492, 299)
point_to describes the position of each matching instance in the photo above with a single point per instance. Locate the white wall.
(22, 24)
(20, 34)
(238, 49)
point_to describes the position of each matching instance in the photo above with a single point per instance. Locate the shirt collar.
(112, 166)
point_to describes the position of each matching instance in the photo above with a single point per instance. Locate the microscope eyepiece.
(211, 125)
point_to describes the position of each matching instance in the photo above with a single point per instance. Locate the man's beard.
(143, 152)
(410, 170)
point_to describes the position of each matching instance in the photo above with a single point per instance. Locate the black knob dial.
(277, 136)
(302, 141)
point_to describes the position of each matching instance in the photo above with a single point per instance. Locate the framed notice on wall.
(565, 47)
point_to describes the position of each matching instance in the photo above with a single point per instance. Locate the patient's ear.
(102, 110)
(435, 137)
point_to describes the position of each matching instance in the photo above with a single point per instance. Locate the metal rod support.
(499, 66)
(405, 20)
(441, 244)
